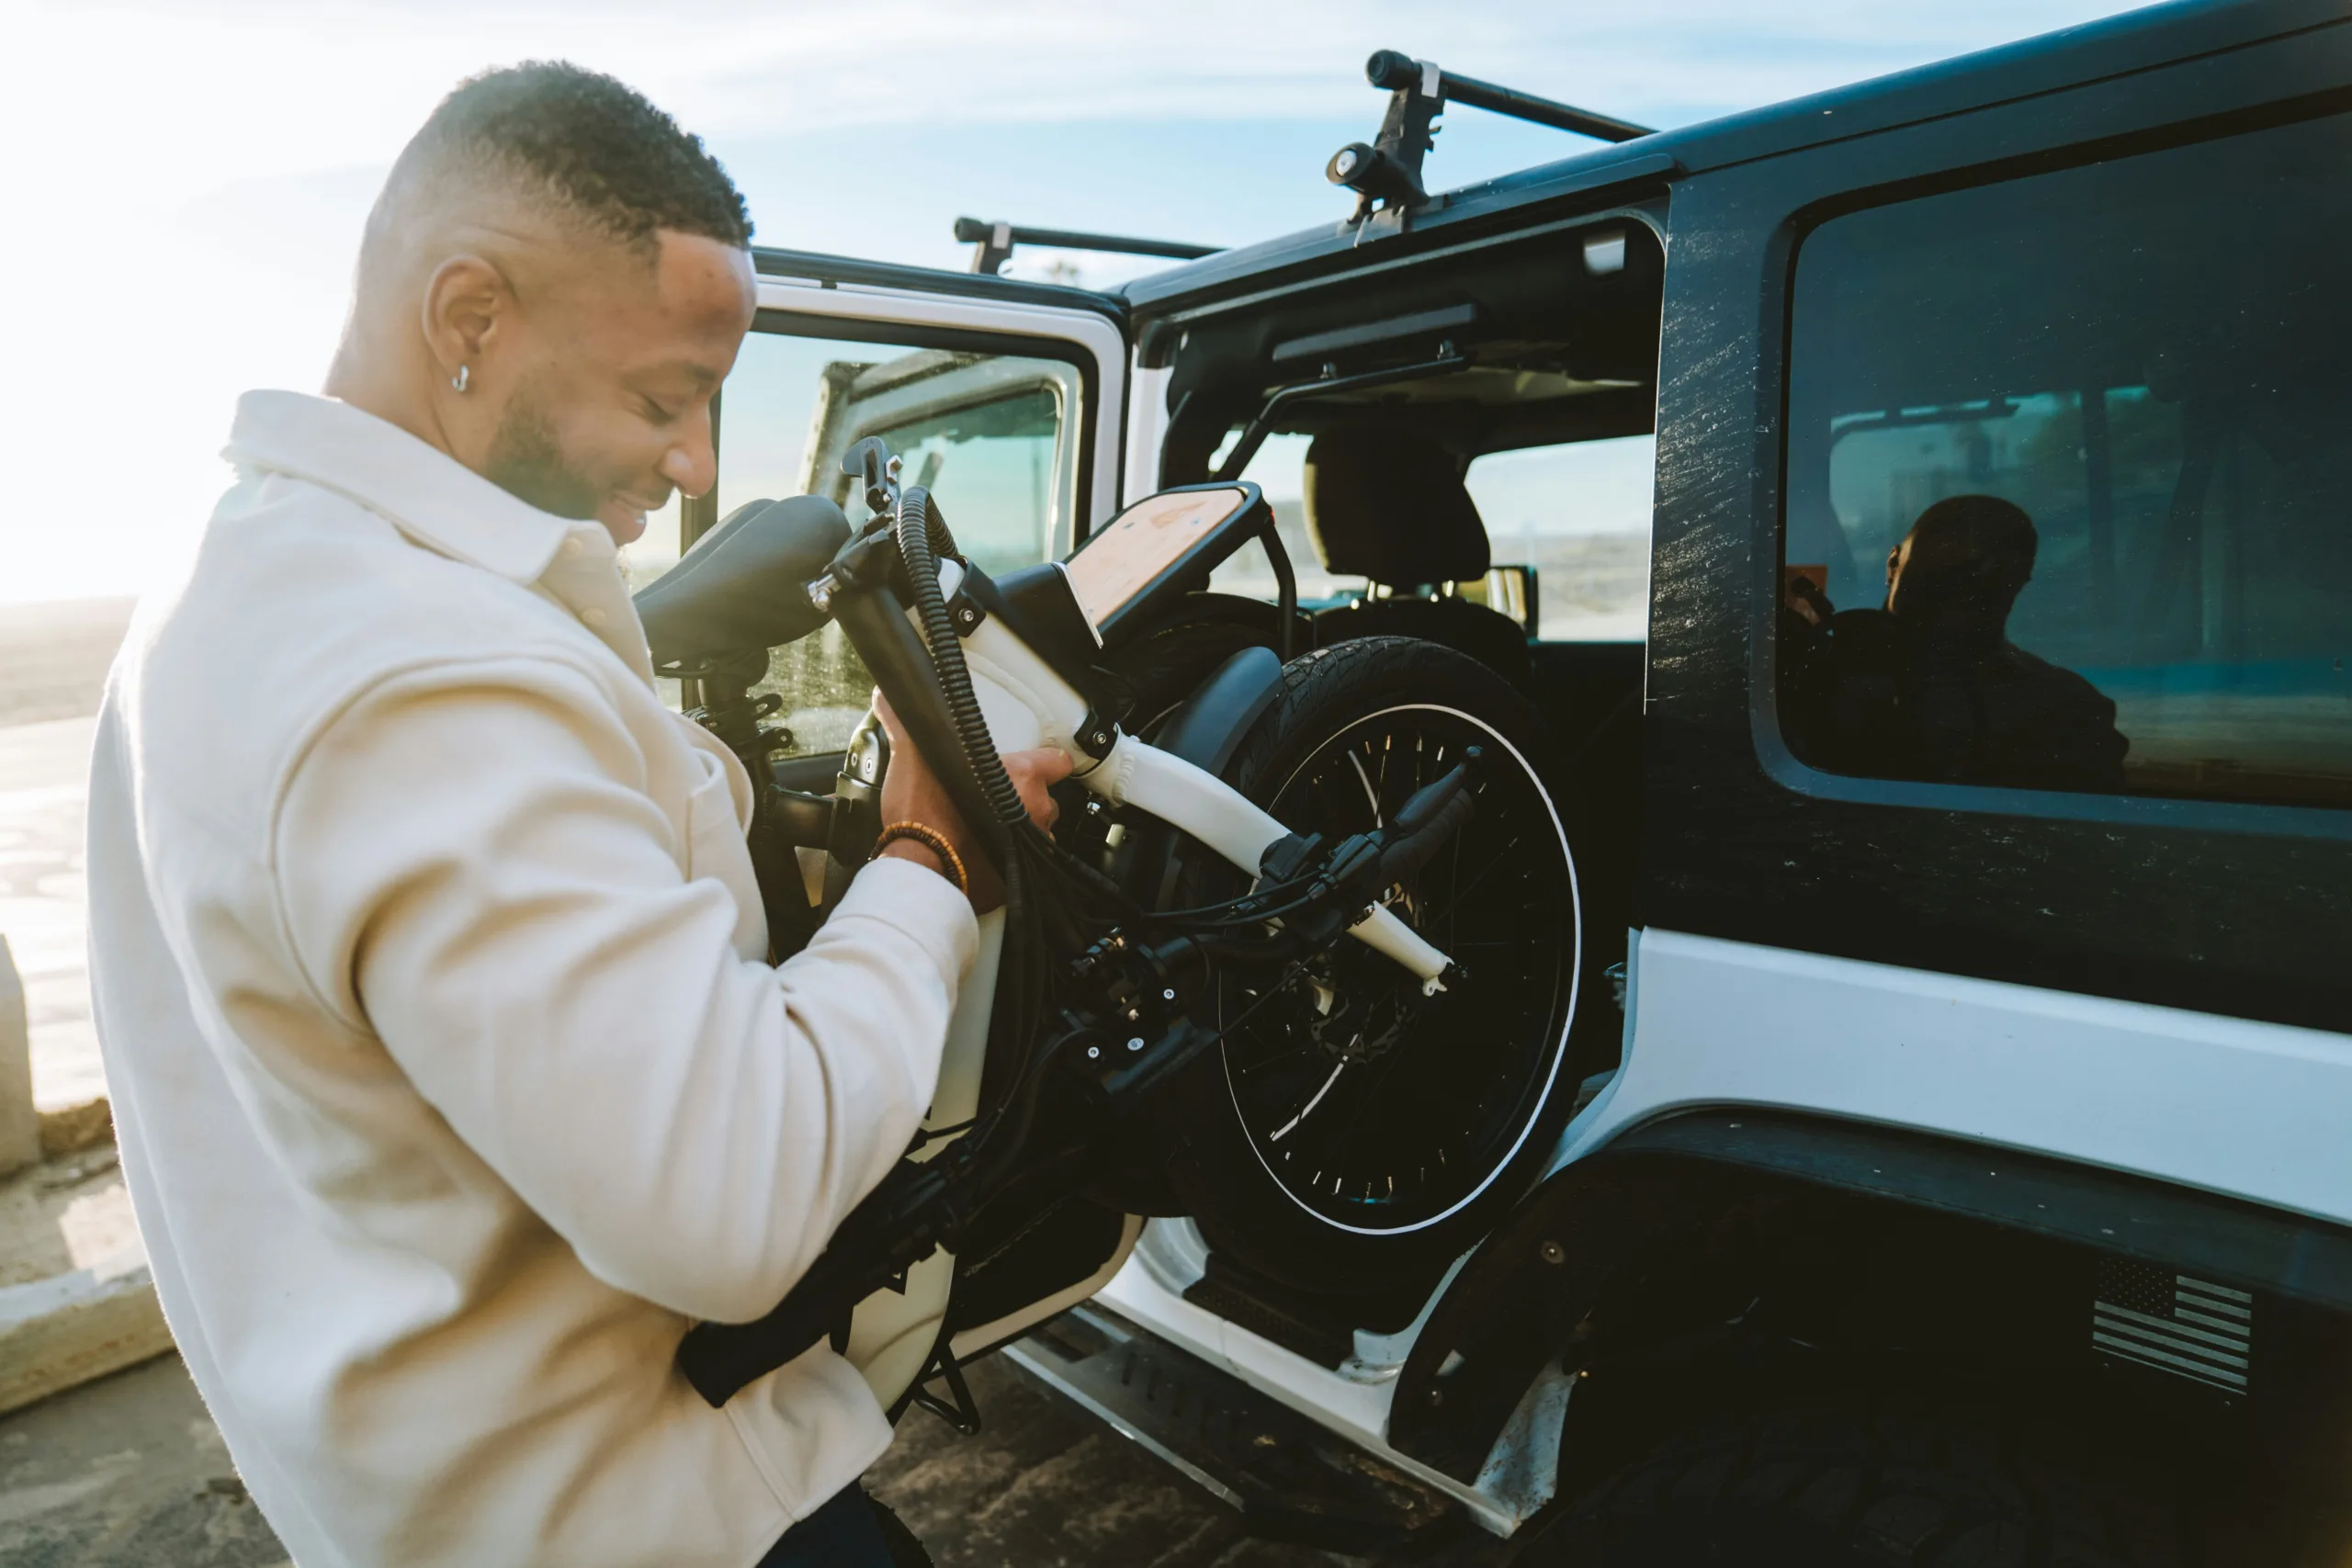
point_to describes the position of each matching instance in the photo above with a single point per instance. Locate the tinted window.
(994, 437)
(2102, 418)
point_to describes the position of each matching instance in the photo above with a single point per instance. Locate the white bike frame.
(1027, 705)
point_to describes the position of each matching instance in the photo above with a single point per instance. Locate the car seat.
(1387, 503)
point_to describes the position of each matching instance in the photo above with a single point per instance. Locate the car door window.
(2068, 479)
(1578, 514)
(995, 436)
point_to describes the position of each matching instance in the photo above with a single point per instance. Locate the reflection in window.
(991, 467)
(994, 437)
(2161, 395)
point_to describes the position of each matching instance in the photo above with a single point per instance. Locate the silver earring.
(464, 374)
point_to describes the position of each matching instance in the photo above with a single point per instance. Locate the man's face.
(1944, 574)
(1896, 559)
(607, 405)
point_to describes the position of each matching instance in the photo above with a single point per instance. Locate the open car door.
(1005, 399)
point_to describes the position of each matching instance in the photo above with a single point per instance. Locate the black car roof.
(2118, 46)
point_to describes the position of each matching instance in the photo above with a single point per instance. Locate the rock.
(76, 1299)
(74, 1128)
(20, 1128)
(68, 1329)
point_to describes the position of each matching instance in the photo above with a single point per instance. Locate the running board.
(1291, 1478)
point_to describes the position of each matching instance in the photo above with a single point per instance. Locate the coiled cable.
(916, 523)
(1025, 985)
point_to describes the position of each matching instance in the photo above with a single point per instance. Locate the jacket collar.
(422, 490)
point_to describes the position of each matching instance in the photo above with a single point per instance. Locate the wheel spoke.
(1264, 1062)
(1308, 1109)
(1370, 794)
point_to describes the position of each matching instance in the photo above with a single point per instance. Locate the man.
(1930, 687)
(1982, 709)
(451, 1079)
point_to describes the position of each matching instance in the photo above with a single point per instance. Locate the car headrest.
(1388, 503)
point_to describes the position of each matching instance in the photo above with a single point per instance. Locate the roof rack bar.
(996, 241)
(1392, 70)
(1386, 172)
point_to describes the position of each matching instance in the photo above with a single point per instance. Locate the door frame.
(1092, 325)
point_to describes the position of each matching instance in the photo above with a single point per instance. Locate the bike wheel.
(1348, 1125)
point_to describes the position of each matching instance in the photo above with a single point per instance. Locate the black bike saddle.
(744, 586)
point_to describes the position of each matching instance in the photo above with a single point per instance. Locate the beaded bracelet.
(934, 841)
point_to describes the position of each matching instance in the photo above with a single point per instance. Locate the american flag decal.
(2191, 1328)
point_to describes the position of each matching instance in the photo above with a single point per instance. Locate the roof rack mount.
(995, 243)
(1388, 171)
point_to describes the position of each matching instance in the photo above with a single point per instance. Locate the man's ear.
(466, 303)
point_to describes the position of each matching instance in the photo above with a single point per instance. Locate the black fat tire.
(1245, 1213)
(1837, 1485)
(1162, 665)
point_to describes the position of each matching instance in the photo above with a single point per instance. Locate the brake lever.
(1424, 823)
(1355, 870)
(1431, 799)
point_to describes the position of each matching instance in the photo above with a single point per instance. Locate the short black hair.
(594, 143)
(1968, 553)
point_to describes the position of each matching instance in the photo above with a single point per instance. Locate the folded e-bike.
(1169, 914)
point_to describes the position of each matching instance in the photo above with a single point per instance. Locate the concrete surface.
(128, 1472)
(69, 1329)
(76, 1299)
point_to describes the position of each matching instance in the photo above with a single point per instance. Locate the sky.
(187, 180)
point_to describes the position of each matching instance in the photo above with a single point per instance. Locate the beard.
(526, 463)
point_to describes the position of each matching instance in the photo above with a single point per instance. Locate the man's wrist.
(915, 850)
(941, 853)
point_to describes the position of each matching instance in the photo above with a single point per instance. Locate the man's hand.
(913, 793)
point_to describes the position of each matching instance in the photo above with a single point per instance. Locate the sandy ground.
(54, 657)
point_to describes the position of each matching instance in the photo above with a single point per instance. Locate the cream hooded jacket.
(451, 1081)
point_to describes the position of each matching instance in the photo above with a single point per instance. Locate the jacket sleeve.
(469, 867)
